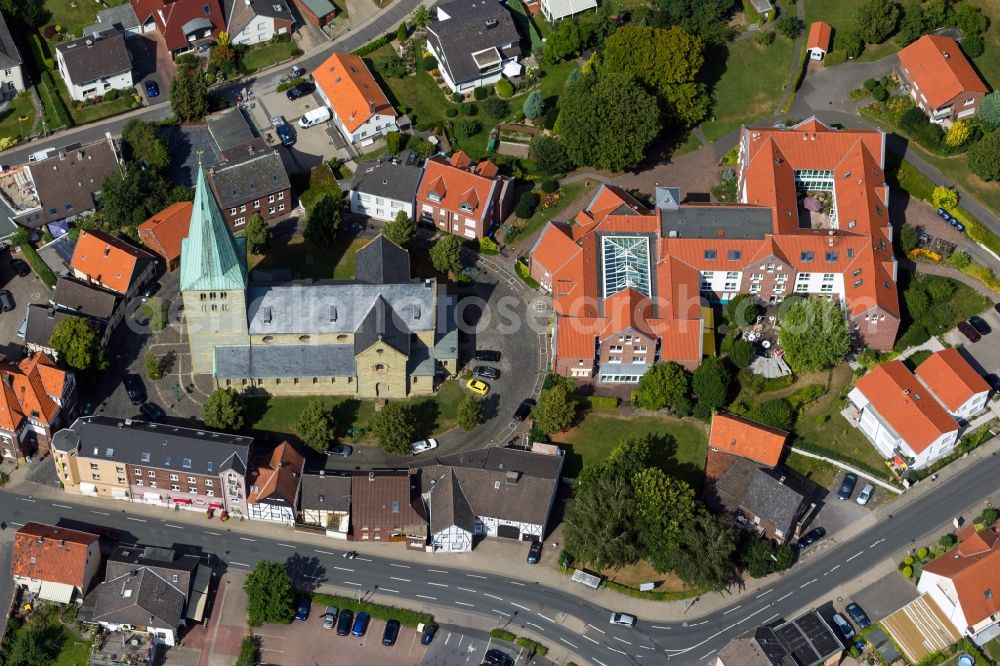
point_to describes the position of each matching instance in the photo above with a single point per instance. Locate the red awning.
(215, 506)
(182, 500)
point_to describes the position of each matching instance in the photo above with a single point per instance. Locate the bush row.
(968, 443)
(373, 45)
(62, 116)
(523, 272)
(409, 618)
(41, 269)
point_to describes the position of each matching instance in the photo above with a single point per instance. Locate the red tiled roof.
(737, 435)
(352, 90)
(455, 186)
(554, 247)
(164, 231)
(909, 408)
(278, 477)
(940, 69)
(974, 568)
(107, 260)
(171, 17)
(30, 388)
(951, 378)
(820, 33)
(52, 554)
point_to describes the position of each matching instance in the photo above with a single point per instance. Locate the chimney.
(371, 476)
(371, 106)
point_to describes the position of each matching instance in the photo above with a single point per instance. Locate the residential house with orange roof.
(737, 436)
(361, 110)
(941, 80)
(965, 582)
(56, 563)
(902, 417)
(163, 232)
(956, 384)
(36, 399)
(112, 263)
(820, 37)
(275, 485)
(466, 199)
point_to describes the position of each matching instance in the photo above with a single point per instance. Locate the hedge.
(63, 118)
(282, 87)
(41, 269)
(373, 45)
(40, 51)
(654, 596)
(502, 635)
(983, 274)
(522, 271)
(404, 616)
(977, 231)
(532, 646)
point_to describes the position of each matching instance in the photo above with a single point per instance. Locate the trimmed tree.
(534, 105)
(470, 412)
(814, 334)
(153, 365)
(957, 134)
(741, 353)
(257, 233)
(446, 255)
(270, 597)
(402, 230)
(908, 238)
(555, 410)
(495, 108)
(77, 343)
(224, 410)
(944, 197)
(984, 157)
(393, 427)
(315, 426)
(663, 385)
(323, 221)
(711, 382)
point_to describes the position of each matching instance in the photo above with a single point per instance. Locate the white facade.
(260, 29)
(83, 90)
(379, 208)
(487, 78)
(942, 592)
(164, 635)
(816, 53)
(11, 81)
(970, 407)
(453, 540)
(555, 10)
(274, 513)
(377, 125)
(887, 441)
(494, 526)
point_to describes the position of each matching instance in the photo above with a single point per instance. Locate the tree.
(663, 385)
(741, 353)
(504, 88)
(270, 597)
(983, 157)
(144, 144)
(957, 134)
(526, 205)
(973, 45)
(420, 17)
(548, 155)
(600, 524)
(936, 13)
(989, 110)
(495, 108)
(944, 197)
(762, 557)
(401, 230)
(323, 221)
(77, 343)
(393, 427)
(789, 25)
(391, 66)
(129, 198)
(711, 382)
(30, 648)
(555, 410)
(155, 311)
(189, 96)
(852, 42)
(315, 425)
(257, 233)
(705, 556)
(393, 142)
(222, 58)
(401, 32)
(566, 40)
(607, 121)
(664, 505)
(776, 413)
(468, 127)
(667, 62)
(876, 20)
(153, 365)
(249, 651)
(970, 20)
(470, 412)
(446, 255)
(706, 18)
(534, 105)
(224, 410)
(908, 238)
(814, 334)
(912, 25)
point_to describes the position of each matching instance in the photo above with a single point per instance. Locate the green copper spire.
(212, 259)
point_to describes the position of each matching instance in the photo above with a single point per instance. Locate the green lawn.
(568, 195)
(306, 260)
(681, 443)
(321, 183)
(988, 64)
(817, 471)
(749, 80)
(94, 112)
(840, 14)
(75, 15)
(993, 649)
(435, 414)
(9, 123)
(75, 651)
(264, 56)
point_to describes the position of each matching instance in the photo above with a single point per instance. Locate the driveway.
(985, 354)
(313, 145)
(884, 597)
(151, 62)
(830, 89)
(835, 515)
(25, 290)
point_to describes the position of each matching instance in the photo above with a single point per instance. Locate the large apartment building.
(630, 283)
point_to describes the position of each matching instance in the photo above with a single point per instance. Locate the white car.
(865, 494)
(423, 445)
(623, 619)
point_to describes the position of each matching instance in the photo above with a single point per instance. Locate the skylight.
(626, 264)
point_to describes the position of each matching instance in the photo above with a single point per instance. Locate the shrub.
(948, 540)
(457, 97)
(502, 635)
(990, 516)
(495, 108)
(922, 553)
(373, 45)
(481, 93)
(870, 84)
(908, 561)
(973, 45)
(430, 62)
(880, 94)
(765, 38)
(603, 402)
(532, 646)
(467, 128)
(504, 89)
(526, 205)
(549, 186)
(470, 109)
(451, 112)
(907, 572)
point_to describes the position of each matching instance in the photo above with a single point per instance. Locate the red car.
(969, 331)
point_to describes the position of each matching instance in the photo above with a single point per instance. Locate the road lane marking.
(25, 499)
(568, 643)
(138, 520)
(853, 556)
(600, 662)
(645, 647)
(437, 571)
(734, 608)
(344, 569)
(877, 543)
(324, 552)
(547, 618)
(590, 639)
(62, 506)
(505, 614)
(808, 583)
(475, 576)
(492, 596)
(347, 582)
(437, 584)
(784, 597)
(247, 539)
(600, 630)
(656, 626)
(386, 589)
(622, 640)
(514, 582)
(539, 627)
(424, 596)
(764, 593)
(462, 603)
(18, 524)
(520, 606)
(775, 616)
(465, 589)
(761, 610)
(401, 566)
(363, 559)
(403, 580)
(615, 650)
(212, 533)
(176, 527)
(239, 564)
(834, 568)
(286, 545)
(101, 513)
(707, 654)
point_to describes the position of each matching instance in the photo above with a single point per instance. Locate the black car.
(6, 301)
(997, 307)
(535, 552)
(523, 410)
(980, 325)
(428, 635)
(969, 331)
(812, 537)
(488, 355)
(858, 615)
(994, 382)
(20, 267)
(847, 486)
(486, 372)
(152, 412)
(342, 450)
(346, 622)
(496, 657)
(391, 633)
(300, 90)
(286, 134)
(302, 609)
(135, 389)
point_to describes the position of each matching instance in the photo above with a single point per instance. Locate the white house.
(256, 21)
(381, 189)
(955, 383)
(902, 417)
(501, 492)
(360, 109)
(11, 76)
(325, 500)
(556, 10)
(475, 43)
(93, 66)
(274, 486)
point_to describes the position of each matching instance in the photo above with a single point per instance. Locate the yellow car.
(478, 387)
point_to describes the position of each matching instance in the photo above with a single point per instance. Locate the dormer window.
(434, 196)
(465, 207)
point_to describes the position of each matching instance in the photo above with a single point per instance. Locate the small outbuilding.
(820, 39)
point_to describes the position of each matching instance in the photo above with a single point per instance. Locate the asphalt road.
(545, 610)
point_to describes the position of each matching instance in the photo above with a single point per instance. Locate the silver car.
(623, 619)
(866, 494)
(330, 617)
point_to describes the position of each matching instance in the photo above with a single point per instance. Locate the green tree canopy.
(257, 233)
(663, 385)
(664, 505)
(790, 26)
(741, 353)
(908, 238)
(970, 19)
(534, 105)
(30, 647)
(470, 412)
(316, 426)
(270, 597)
(446, 254)
(495, 108)
(706, 18)
(912, 26)
(323, 221)
(224, 410)
(814, 334)
(77, 343)
(983, 156)
(555, 410)
(548, 155)
(607, 121)
(393, 427)
(600, 523)
(876, 20)
(189, 96)
(762, 557)
(402, 230)
(145, 144)
(776, 412)
(129, 198)
(711, 382)
(705, 555)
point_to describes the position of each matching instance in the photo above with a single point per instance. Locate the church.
(381, 335)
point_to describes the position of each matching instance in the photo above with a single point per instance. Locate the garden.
(11, 125)
(42, 634)
(934, 305)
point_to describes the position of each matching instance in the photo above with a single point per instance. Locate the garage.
(509, 531)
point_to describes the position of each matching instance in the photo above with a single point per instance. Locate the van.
(315, 117)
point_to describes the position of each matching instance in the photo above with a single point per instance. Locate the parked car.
(495, 657)
(812, 537)
(478, 387)
(330, 617)
(845, 628)
(992, 379)
(958, 225)
(152, 89)
(944, 215)
(428, 635)
(859, 616)
(346, 622)
(302, 609)
(486, 372)
(967, 329)
(284, 131)
(391, 633)
(361, 621)
(301, 90)
(342, 450)
(623, 619)
(847, 486)
(866, 494)
(135, 389)
(20, 267)
(523, 410)
(488, 355)
(6, 301)
(535, 552)
(152, 412)
(996, 306)
(980, 325)
(423, 445)
(298, 72)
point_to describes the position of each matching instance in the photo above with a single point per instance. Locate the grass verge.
(262, 57)
(404, 616)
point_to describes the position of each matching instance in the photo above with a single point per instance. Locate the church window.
(303, 338)
(267, 338)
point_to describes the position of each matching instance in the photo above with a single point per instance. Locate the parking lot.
(985, 354)
(454, 647)
(25, 290)
(313, 145)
